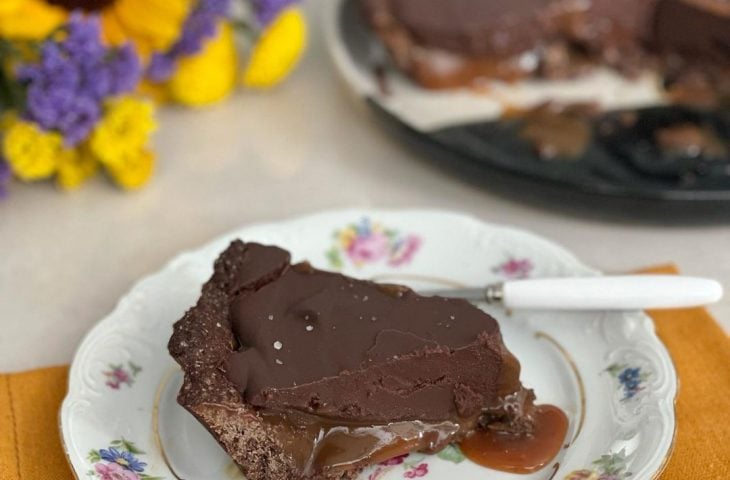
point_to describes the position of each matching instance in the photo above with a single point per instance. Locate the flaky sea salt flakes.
(278, 345)
(279, 362)
(452, 317)
(309, 328)
(365, 298)
(271, 317)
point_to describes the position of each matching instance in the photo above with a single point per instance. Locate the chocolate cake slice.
(453, 43)
(305, 374)
(447, 43)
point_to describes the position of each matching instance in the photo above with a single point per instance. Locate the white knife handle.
(629, 292)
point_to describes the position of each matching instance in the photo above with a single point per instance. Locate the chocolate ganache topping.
(320, 342)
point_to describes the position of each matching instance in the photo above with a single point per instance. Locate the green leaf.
(147, 477)
(333, 255)
(603, 462)
(452, 453)
(613, 464)
(130, 447)
(93, 456)
(135, 368)
(615, 369)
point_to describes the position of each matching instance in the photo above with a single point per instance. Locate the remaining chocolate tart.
(305, 374)
(448, 43)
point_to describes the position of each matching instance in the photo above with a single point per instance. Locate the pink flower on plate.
(404, 250)
(515, 268)
(117, 377)
(120, 375)
(114, 471)
(420, 470)
(368, 248)
(395, 460)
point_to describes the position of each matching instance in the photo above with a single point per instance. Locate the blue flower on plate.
(631, 379)
(123, 458)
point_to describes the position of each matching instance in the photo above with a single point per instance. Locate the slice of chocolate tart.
(305, 374)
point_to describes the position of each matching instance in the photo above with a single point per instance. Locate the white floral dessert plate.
(607, 370)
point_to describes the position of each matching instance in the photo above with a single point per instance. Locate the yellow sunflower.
(152, 25)
(29, 19)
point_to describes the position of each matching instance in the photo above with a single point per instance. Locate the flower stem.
(244, 27)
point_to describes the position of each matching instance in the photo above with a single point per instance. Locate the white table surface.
(67, 258)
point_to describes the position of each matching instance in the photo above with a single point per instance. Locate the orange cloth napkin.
(30, 443)
(30, 446)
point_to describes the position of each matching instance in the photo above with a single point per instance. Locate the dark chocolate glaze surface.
(352, 350)
(493, 27)
(476, 27)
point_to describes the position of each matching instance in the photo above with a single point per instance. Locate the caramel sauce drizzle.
(523, 453)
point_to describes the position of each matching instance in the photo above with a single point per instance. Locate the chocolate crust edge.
(200, 341)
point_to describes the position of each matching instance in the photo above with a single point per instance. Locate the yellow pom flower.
(210, 75)
(346, 237)
(29, 19)
(32, 153)
(123, 131)
(278, 50)
(75, 168)
(133, 171)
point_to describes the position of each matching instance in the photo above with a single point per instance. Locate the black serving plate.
(622, 173)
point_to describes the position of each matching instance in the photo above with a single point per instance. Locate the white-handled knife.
(627, 292)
